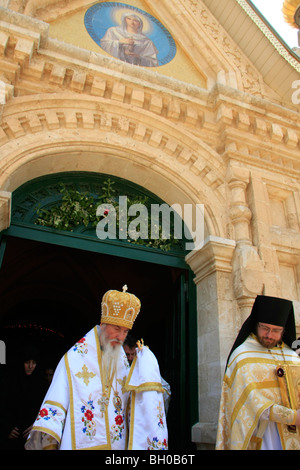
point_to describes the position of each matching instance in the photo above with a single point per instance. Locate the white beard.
(110, 355)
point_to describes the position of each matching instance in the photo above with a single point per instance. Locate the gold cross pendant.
(103, 402)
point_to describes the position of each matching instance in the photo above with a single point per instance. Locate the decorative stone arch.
(50, 134)
(46, 134)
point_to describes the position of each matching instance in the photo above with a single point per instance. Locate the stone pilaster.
(5, 209)
(212, 265)
(248, 268)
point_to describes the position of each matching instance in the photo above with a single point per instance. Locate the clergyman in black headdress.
(252, 415)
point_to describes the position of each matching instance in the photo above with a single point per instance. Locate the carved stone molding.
(239, 127)
(215, 255)
(104, 120)
(249, 76)
(247, 266)
(240, 214)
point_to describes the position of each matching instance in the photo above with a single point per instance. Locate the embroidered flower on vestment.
(119, 420)
(48, 413)
(160, 416)
(157, 444)
(43, 413)
(81, 347)
(89, 415)
(89, 425)
(117, 429)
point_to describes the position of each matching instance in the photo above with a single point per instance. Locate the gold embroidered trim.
(99, 356)
(56, 403)
(145, 387)
(254, 386)
(72, 420)
(132, 419)
(47, 431)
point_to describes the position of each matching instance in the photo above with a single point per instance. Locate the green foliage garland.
(79, 209)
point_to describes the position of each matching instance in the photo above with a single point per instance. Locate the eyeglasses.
(266, 329)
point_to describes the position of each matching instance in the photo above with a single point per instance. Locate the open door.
(2, 248)
(54, 280)
(183, 373)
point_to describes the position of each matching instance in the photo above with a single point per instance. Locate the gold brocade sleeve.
(48, 442)
(250, 387)
(281, 414)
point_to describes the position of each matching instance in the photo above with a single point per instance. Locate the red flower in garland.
(82, 340)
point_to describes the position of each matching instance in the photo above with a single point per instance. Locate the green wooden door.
(181, 332)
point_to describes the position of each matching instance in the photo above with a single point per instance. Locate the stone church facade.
(217, 125)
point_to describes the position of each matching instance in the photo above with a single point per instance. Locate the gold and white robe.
(250, 389)
(72, 415)
(147, 400)
(71, 410)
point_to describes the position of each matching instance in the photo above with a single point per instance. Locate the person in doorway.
(130, 348)
(21, 400)
(252, 415)
(93, 402)
(49, 372)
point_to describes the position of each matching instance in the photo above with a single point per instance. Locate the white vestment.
(144, 382)
(143, 48)
(78, 414)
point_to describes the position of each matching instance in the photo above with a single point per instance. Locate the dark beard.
(267, 342)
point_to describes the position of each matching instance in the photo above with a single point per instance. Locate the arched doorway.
(51, 284)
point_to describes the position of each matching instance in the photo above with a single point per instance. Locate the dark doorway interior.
(51, 295)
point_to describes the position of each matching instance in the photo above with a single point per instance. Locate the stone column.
(240, 214)
(212, 265)
(247, 266)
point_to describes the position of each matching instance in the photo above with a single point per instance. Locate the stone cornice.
(288, 55)
(208, 46)
(236, 124)
(39, 52)
(214, 256)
